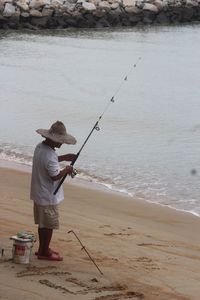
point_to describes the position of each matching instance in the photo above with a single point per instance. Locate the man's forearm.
(66, 157)
(62, 157)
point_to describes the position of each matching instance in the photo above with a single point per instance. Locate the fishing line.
(96, 125)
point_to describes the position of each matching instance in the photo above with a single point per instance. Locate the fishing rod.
(96, 125)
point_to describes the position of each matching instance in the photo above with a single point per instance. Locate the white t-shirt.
(45, 166)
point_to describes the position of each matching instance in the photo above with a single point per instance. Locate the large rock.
(129, 3)
(125, 20)
(99, 13)
(134, 19)
(3, 2)
(148, 17)
(35, 4)
(192, 3)
(109, 1)
(187, 14)
(69, 6)
(71, 1)
(1, 6)
(176, 16)
(103, 22)
(23, 5)
(159, 4)
(9, 10)
(56, 3)
(25, 15)
(95, 2)
(114, 17)
(40, 22)
(176, 3)
(114, 5)
(47, 12)
(89, 20)
(35, 13)
(150, 7)
(104, 5)
(162, 18)
(132, 9)
(88, 6)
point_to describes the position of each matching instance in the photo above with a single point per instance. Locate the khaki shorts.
(46, 216)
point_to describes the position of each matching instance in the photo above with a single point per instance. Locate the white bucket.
(22, 251)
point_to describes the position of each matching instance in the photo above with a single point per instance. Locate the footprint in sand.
(114, 234)
(103, 226)
(123, 232)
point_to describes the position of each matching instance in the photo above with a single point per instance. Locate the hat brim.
(62, 139)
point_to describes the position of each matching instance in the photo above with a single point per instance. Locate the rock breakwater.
(34, 14)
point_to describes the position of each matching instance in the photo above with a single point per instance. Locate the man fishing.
(46, 172)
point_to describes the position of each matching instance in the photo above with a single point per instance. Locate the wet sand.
(144, 250)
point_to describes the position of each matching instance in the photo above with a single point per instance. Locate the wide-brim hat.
(57, 133)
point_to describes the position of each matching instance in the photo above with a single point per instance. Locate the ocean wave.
(141, 189)
(13, 153)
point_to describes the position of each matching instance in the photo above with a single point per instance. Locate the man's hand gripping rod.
(95, 127)
(77, 155)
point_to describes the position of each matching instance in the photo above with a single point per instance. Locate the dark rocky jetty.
(36, 14)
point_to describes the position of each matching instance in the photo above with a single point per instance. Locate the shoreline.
(145, 251)
(79, 182)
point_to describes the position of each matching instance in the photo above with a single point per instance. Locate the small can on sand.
(22, 249)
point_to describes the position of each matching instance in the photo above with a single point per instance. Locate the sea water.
(148, 145)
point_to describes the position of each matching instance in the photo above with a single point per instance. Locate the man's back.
(45, 166)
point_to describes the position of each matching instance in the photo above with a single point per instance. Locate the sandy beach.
(145, 251)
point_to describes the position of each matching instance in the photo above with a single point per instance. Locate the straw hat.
(57, 133)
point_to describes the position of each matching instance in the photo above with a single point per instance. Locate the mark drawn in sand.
(55, 286)
(33, 270)
(151, 244)
(72, 285)
(115, 288)
(91, 287)
(121, 296)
